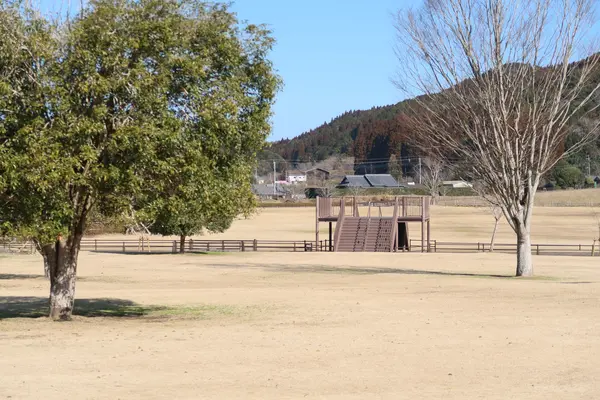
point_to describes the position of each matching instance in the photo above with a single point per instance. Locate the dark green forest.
(379, 140)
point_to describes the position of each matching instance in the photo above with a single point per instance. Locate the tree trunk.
(182, 244)
(46, 267)
(493, 240)
(62, 263)
(40, 250)
(524, 258)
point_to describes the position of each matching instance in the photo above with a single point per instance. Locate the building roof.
(317, 169)
(381, 180)
(355, 181)
(457, 184)
(262, 189)
(369, 181)
(296, 172)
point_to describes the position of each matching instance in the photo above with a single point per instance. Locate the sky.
(333, 56)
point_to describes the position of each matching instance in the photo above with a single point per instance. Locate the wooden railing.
(194, 245)
(255, 245)
(537, 249)
(16, 246)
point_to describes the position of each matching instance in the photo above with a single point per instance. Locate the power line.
(361, 161)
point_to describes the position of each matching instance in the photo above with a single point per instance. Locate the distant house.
(317, 175)
(457, 184)
(266, 191)
(369, 181)
(548, 186)
(296, 176)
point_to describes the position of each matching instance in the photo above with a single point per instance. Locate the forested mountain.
(375, 134)
(379, 140)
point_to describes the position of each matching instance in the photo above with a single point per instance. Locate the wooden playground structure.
(375, 231)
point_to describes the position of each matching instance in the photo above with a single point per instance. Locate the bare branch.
(499, 90)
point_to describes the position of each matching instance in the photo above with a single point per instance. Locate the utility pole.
(274, 184)
(589, 165)
(420, 172)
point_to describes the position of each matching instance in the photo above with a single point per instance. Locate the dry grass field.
(465, 224)
(577, 225)
(313, 325)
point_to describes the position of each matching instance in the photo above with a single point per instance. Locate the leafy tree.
(566, 175)
(106, 110)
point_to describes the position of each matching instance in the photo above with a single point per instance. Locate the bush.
(566, 175)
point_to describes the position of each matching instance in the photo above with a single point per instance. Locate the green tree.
(108, 109)
(566, 175)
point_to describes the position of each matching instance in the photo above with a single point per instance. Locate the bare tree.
(355, 191)
(432, 174)
(329, 187)
(494, 208)
(499, 91)
(497, 214)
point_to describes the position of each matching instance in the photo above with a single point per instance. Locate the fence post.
(243, 246)
(222, 245)
(255, 245)
(95, 244)
(123, 247)
(174, 247)
(191, 244)
(537, 249)
(207, 246)
(294, 246)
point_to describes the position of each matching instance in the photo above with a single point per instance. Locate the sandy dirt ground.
(313, 325)
(305, 325)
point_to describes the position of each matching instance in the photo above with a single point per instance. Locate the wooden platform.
(369, 232)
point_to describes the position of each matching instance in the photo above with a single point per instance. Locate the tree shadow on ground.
(361, 270)
(20, 276)
(132, 252)
(35, 307)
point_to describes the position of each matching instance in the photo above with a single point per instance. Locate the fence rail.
(16, 246)
(253, 245)
(193, 245)
(537, 249)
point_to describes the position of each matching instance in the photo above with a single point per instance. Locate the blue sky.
(333, 56)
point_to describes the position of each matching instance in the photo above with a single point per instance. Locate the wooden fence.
(200, 246)
(16, 246)
(195, 246)
(537, 249)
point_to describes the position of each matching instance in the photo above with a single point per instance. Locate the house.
(295, 176)
(548, 186)
(317, 175)
(369, 181)
(457, 184)
(266, 191)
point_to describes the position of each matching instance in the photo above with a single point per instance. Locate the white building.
(457, 184)
(296, 177)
